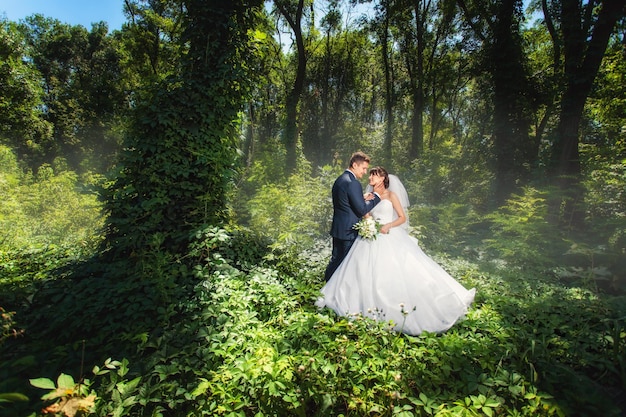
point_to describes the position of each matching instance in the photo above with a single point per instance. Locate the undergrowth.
(246, 340)
(229, 327)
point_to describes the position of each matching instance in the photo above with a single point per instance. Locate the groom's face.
(360, 169)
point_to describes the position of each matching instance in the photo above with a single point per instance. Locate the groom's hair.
(358, 157)
(381, 172)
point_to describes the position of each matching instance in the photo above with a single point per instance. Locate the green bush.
(47, 221)
(222, 331)
(520, 233)
(47, 209)
(296, 213)
(454, 228)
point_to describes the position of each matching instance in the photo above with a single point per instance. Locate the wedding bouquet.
(368, 228)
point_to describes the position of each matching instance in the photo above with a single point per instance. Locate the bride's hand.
(385, 229)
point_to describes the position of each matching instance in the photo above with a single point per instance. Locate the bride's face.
(375, 180)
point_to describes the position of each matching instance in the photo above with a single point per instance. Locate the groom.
(349, 206)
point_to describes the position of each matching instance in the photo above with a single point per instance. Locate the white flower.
(368, 228)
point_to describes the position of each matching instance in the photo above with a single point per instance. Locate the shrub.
(520, 232)
(47, 209)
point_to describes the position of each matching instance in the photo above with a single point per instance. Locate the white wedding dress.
(390, 278)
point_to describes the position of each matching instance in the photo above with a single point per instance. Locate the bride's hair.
(381, 172)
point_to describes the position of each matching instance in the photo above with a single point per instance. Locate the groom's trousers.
(341, 248)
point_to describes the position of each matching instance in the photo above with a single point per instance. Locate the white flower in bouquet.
(367, 228)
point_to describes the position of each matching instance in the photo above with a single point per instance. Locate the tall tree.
(496, 23)
(335, 67)
(584, 33)
(84, 95)
(267, 97)
(292, 12)
(425, 39)
(57, 50)
(324, 83)
(413, 39)
(181, 152)
(447, 71)
(382, 27)
(22, 122)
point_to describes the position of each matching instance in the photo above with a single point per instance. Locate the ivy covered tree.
(181, 151)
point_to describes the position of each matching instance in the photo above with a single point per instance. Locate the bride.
(390, 278)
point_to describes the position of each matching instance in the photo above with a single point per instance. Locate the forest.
(165, 206)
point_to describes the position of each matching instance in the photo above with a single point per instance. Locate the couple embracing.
(387, 278)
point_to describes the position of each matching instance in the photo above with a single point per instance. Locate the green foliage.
(605, 182)
(151, 42)
(296, 212)
(181, 153)
(451, 173)
(241, 337)
(49, 209)
(603, 243)
(83, 97)
(452, 227)
(520, 232)
(269, 352)
(606, 106)
(46, 221)
(22, 123)
(69, 398)
(239, 246)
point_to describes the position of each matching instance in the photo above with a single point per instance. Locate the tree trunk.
(290, 134)
(417, 87)
(511, 121)
(389, 91)
(582, 62)
(511, 126)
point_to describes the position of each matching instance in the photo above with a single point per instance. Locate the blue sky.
(74, 12)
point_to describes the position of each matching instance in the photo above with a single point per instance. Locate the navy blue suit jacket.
(348, 206)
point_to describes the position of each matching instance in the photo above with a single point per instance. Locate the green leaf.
(12, 397)
(202, 387)
(128, 387)
(43, 383)
(65, 381)
(259, 36)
